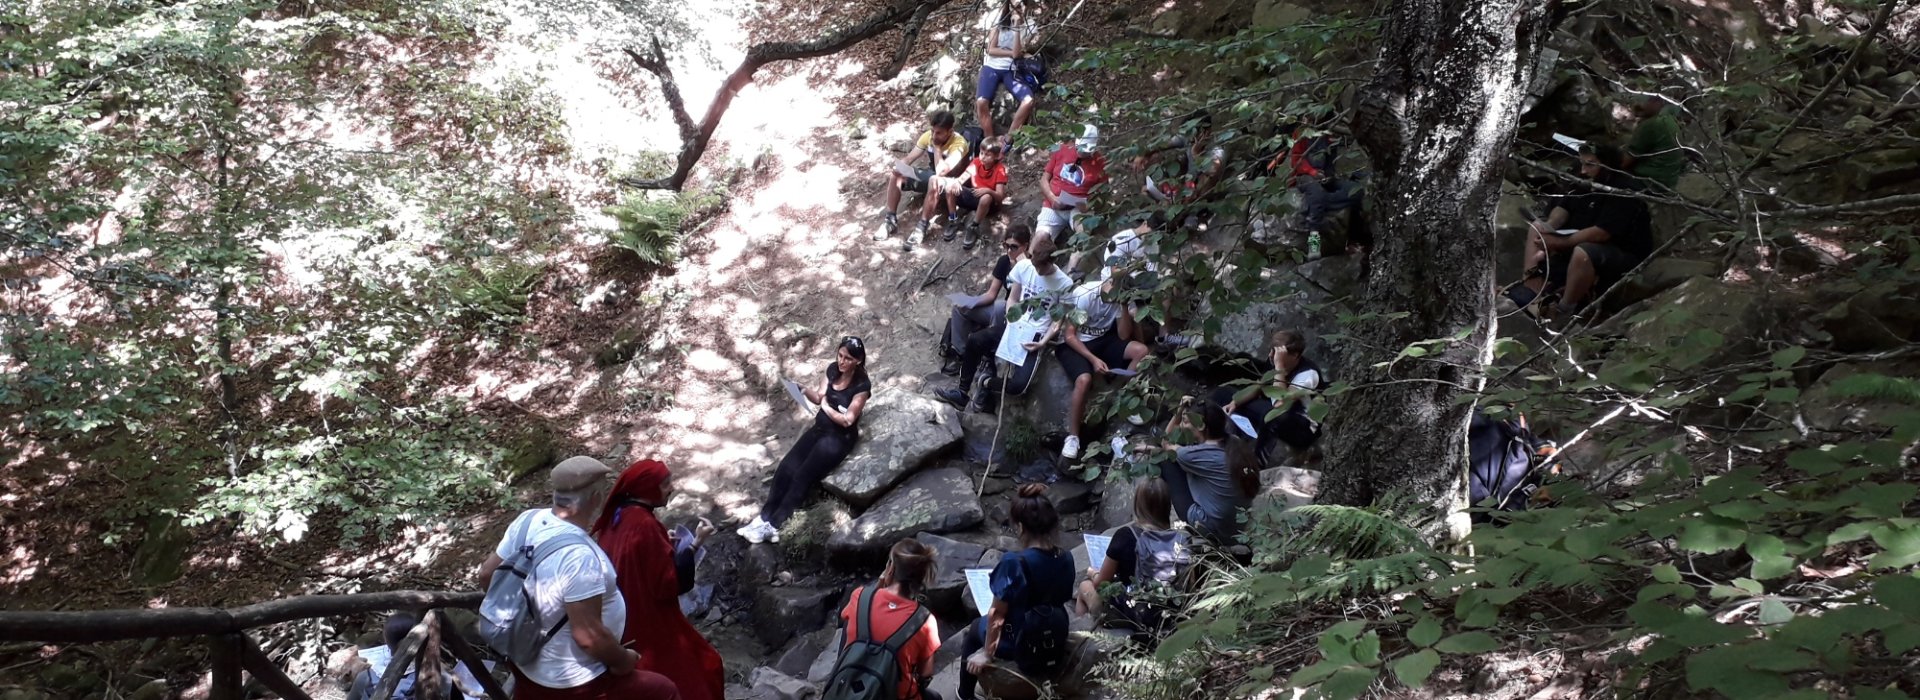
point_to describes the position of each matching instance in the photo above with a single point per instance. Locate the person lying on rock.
(946, 155)
(1212, 482)
(842, 397)
(890, 605)
(1146, 561)
(1034, 287)
(653, 574)
(1295, 376)
(1587, 242)
(988, 314)
(1096, 344)
(1027, 624)
(1073, 173)
(977, 191)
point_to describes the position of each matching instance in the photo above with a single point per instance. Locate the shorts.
(917, 183)
(1610, 263)
(988, 86)
(1064, 219)
(967, 200)
(1110, 348)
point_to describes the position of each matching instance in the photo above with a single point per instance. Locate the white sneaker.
(773, 533)
(1136, 419)
(755, 532)
(1119, 445)
(1071, 450)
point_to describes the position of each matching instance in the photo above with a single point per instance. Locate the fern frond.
(1879, 387)
(1346, 532)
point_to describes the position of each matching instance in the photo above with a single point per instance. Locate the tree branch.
(693, 142)
(910, 35)
(658, 66)
(1853, 61)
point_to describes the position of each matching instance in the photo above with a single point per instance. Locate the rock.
(996, 486)
(1072, 497)
(1699, 321)
(1288, 487)
(1273, 14)
(1879, 317)
(162, 555)
(1577, 107)
(1076, 678)
(1116, 506)
(900, 432)
(1030, 421)
(979, 433)
(797, 659)
(937, 501)
(804, 536)
(902, 145)
(1877, 169)
(529, 448)
(1168, 22)
(1799, 256)
(1301, 303)
(760, 564)
(780, 613)
(768, 684)
(947, 597)
(1658, 276)
(823, 664)
(1827, 409)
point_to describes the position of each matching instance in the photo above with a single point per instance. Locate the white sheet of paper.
(964, 301)
(905, 171)
(1097, 549)
(1570, 142)
(378, 657)
(1121, 372)
(1565, 231)
(799, 395)
(980, 584)
(1068, 200)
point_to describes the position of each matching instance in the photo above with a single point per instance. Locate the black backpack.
(1501, 455)
(870, 670)
(1043, 622)
(973, 136)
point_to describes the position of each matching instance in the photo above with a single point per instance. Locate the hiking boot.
(973, 236)
(950, 368)
(758, 531)
(987, 402)
(914, 239)
(949, 231)
(953, 396)
(890, 224)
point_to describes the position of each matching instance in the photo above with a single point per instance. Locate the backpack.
(1043, 625)
(1032, 70)
(1500, 454)
(973, 136)
(1160, 557)
(509, 615)
(869, 670)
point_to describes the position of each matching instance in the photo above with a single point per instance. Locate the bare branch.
(910, 35)
(1859, 52)
(658, 66)
(1865, 207)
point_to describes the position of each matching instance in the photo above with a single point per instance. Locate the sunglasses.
(851, 341)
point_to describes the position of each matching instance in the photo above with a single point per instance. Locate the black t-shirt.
(1124, 550)
(841, 398)
(1002, 268)
(1628, 224)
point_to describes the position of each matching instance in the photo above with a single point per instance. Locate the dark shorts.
(917, 183)
(967, 200)
(1110, 348)
(1610, 263)
(992, 79)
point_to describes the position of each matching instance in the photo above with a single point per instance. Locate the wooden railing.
(232, 650)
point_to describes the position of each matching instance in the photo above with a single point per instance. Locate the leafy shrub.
(652, 225)
(496, 292)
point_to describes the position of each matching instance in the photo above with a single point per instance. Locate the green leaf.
(1367, 649)
(1774, 612)
(1666, 573)
(1860, 693)
(1425, 632)
(1710, 535)
(1899, 593)
(1900, 545)
(1413, 669)
(1902, 638)
(1781, 394)
(1181, 640)
(1770, 560)
(1788, 357)
(1347, 683)
(1468, 643)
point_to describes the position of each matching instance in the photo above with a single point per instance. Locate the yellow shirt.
(955, 146)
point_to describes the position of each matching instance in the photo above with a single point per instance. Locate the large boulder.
(1274, 14)
(938, 501)
(1288, 487)
(1882, 316)
(797, 659)
(162, 555)
(781, 613)
(947, 597)
(1116, 507)
(900, 432)
(1302, 300)
(1658, 276)
(1826, 407)
(1086, 651)
(1696, 323)
(1043, 408)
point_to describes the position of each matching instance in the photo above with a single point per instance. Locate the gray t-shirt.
(1217, 501)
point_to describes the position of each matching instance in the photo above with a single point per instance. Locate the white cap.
(1089, 140)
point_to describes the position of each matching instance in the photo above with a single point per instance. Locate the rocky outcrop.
(769, 684)
(1659, 276)
(1116, 505)
(1288, 487)
(900, 432)
(937, 501)
(947, 597)
(1302, 301)
(781, 613)
(1831, 405)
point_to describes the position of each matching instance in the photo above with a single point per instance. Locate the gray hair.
(581, 498)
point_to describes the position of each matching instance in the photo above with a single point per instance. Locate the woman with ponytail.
(1214, 481)
(1031, 589)
(910, 571)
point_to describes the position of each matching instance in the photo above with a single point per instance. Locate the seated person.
(1145, 555)
(1073, 172)
(1007, 41)
(1292, 371)
(1606, 236)
(990, 308)
(891, 605)
(1197, 167)
(946, 155)
(842, 396)
(1027, 624)
(1097, 345)
(977, 191)
(366, 682)
(1034, 287)
(1212, 482)
(1653, 153)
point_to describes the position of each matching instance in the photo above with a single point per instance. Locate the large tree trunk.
(1436, 119)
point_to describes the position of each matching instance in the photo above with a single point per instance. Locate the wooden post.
(255, 660)
(403, 657)
(458, 645)
(225, 651)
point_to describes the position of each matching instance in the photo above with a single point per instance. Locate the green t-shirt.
(1656, 149)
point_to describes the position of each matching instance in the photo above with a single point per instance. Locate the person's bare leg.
(1077, 409)
(983, 114)
(1088, 598)
(930, 203)
(981, 212)
(1021, 115)
(1580, 278)
(894, 182)
(953, 197)
(1135, 351)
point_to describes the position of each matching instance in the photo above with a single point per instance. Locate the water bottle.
(1313, 245)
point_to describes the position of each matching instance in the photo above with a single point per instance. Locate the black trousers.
(819, 450)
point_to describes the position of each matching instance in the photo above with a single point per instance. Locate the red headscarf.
(642, 558)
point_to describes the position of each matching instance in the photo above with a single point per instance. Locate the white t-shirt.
(1101, 314)
(1003, 38)
(1046, 291)
(570, 575)
(1128, 246)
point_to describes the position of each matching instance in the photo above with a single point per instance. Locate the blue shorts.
(992, 78)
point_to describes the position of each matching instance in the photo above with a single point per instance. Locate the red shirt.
(890, 611)
(987, 178)
(1078, 179)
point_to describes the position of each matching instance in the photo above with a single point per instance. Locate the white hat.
(1089, 140)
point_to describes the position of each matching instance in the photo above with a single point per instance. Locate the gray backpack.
(509, 615)
(1161, 557)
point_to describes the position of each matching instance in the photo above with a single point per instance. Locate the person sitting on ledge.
(1096, 345)
(1589, 241)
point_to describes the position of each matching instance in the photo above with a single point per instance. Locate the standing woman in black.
(842, 396)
